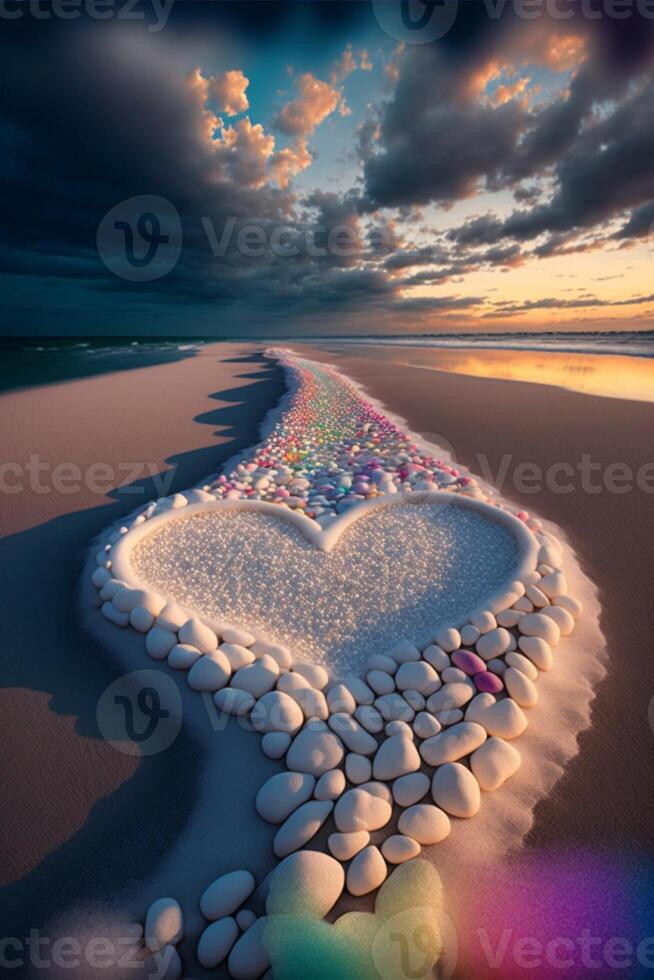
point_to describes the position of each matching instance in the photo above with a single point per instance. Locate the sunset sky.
(500, 177)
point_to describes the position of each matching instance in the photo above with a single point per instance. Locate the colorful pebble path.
(332, 448)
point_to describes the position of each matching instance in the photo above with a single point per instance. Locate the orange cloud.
(316, 101)
(198, 87)
(289, 161)
(228, 90)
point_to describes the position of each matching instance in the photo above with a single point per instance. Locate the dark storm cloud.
(95, 116)
(553, 303)
(438, 142)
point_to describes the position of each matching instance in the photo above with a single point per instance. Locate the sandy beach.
(484, 419)
(98, 800)
(176, 422)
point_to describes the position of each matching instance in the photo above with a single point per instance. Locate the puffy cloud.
(246, 149)
(289, 161)
(365, 64)
(349, 62)
(228, 90)
(243, 152)
(345, 65)
(198, 87)
(316, 101)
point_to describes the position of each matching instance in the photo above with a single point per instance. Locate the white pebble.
(275, 744)
(209, 673)
(417, 676)
(493, 643)
(358, 809)
(366, 872)
(503, 718)
(358, 768)
(339, 699)
(573, 606)
(494, 762)
(164, 924)
(316, 675)
(331, 785)
(369, 718)
(563, 619)
(403, 652)
(398, 849)
(538, 651)
(198, 635)
(276, 712)
(380, 682)
(159, 642)
(537, 624)
(182, 656)
(426, 725)
(249, 957)
(230, 634)
(520, 688)
(283, 793)
(455, 743)
(216, 942)
(257, 678)
(469, 635)
(425, 823)
(315, 752)
(450, 696)
(484, 621)
(233, 702)
(437, 657)
(238, 656)
(226, 894)
(408, 790)
(303, 824)
(396, 756)
(355, 737)
(456, 790)
(306, 883)
(345, 846)
(520, 662)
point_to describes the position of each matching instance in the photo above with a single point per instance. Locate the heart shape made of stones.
(388, 569)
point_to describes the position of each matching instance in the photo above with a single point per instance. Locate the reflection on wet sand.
(591, 374)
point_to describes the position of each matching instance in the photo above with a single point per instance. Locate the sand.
(95, 802)
(604, 800)
(74, 799)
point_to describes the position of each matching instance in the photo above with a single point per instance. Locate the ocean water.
(629, 343)
(30, 361)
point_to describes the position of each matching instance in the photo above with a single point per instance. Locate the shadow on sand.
(44, 649)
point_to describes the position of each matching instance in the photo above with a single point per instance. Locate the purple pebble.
(488, 683)
(468, 662)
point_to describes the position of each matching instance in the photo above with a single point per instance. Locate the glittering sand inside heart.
(395, 572)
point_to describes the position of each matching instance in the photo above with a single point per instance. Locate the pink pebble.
(488, 683)
(468, 662)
